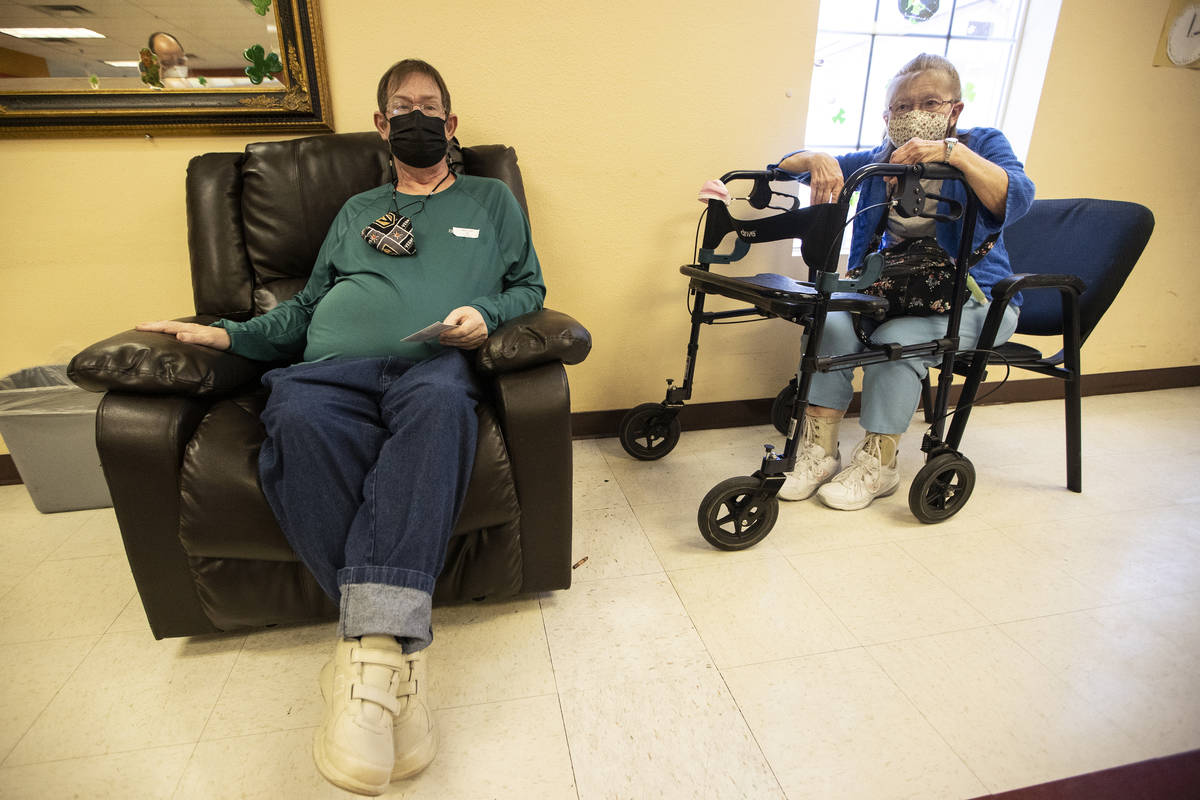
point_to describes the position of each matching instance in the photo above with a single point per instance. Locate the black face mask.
(417, 140)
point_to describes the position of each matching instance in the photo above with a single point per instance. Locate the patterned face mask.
(391, 235)
(917, 124)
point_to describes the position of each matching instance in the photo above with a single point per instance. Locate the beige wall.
(1111, 125)
(618, 111)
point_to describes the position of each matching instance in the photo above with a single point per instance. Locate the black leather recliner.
(178, 431)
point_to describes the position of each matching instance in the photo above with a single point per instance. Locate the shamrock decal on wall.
(261, 7)
(262, 65)
(918, 10)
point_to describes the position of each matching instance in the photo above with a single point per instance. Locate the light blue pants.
(892, 389)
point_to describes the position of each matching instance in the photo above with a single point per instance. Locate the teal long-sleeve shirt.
(473, 249)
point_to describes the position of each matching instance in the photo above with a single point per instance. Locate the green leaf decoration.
(148, 66)
(969, 92)
(203, 81)
(94, 81)
(840, 117)
(916, 11)
(262, 64)
(261, 7)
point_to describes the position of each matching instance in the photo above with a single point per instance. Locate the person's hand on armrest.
(133, 361)
(825, 174)
(190, 332)
(471, 330)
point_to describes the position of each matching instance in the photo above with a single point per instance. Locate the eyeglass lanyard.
(422, 202)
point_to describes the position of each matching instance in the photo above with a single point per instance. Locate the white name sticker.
(466, 233)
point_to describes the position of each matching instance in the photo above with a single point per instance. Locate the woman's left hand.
(920, 151)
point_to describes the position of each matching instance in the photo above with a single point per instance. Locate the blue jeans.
(892, 389)
(366, 465)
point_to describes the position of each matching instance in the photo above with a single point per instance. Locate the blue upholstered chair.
(1082, 250)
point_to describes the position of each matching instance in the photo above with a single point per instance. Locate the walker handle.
(761, 193)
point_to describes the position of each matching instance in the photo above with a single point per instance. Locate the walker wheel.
(737, 514)
(781, 409)
(649, 431)
(941, 488)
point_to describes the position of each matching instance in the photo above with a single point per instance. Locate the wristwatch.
(950, 142)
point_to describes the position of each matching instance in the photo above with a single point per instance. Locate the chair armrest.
(534, 408)
(532, 339)
(141, 441)
(1006, 288)
(143, 362)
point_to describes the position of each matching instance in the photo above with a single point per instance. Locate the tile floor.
(1036, 635)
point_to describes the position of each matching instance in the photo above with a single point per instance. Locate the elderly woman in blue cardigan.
(923, 105)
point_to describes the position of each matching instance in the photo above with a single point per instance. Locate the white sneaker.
(813, 467)
(354, 746)
(414, 731)
(865, 479)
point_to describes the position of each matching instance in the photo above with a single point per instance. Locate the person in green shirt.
(371, 436)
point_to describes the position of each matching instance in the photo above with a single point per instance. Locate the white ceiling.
(213, 32)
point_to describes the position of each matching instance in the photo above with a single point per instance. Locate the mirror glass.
(167, 66)
(96, 44)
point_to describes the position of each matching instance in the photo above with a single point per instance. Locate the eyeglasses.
(405, 107)
(928, 104)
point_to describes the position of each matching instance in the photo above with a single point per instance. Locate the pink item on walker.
(713, 190)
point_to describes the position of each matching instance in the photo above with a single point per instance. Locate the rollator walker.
(739, 512)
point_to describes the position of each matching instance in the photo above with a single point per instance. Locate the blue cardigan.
(987, 142)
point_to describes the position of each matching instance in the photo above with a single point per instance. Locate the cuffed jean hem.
(391, 576)
(380, 608)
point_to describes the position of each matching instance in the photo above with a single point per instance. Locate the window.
(1000, 48)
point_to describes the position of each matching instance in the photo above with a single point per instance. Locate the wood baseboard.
(734, 413)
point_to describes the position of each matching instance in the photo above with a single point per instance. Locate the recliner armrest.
(538, 337)
(143, 362)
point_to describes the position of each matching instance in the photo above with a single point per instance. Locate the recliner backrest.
(257, 219)
(1098, 240)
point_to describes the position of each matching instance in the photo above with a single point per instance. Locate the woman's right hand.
(825, 178)
(190, 332)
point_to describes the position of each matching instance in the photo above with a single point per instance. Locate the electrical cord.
(696, 238)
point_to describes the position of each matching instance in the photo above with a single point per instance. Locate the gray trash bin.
(49, 425)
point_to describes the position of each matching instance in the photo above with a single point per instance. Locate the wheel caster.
(649, 431)
(781, 409)
(735, 514)
(941, 488)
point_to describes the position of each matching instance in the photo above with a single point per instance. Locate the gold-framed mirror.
(112, 67)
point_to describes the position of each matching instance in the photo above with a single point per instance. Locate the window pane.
(982, 68)
(835, 96)
(891, 53)
(893, 20)
(857, 16)
(992, 19)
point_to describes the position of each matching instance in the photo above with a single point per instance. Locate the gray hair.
(927, 62)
